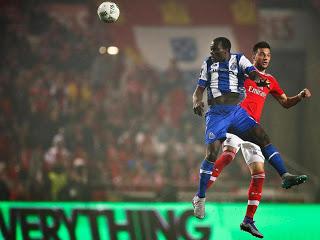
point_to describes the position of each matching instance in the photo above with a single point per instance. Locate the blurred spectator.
(76, 188)
(57, 154)
(4, 189)
(58, 180)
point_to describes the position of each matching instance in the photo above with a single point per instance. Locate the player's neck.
(260, 69)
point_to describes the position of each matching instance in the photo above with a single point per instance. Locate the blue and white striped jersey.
(223, 77)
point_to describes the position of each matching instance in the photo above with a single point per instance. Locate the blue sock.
(247, 219)
(274, 158)
(205, 174)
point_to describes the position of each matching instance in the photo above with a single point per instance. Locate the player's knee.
(229, 149)
(263, 140)
(259, 137)
(213, 151)
(256, 168)
(211, 157)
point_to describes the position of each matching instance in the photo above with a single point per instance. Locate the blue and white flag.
(188, 45)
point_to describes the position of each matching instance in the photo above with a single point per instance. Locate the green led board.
(148, 221)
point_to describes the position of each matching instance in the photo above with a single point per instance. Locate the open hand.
(263, 83)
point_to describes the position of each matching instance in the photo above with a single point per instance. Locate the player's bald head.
(223, 41)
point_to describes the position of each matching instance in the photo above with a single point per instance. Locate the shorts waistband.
(226, 99)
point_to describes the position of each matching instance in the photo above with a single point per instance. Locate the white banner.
(189, 45)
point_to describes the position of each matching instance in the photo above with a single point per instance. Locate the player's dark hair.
(261, 44)
(225, 42)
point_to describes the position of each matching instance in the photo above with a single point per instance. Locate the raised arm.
(288, 102)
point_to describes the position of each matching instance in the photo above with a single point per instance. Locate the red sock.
(225, 158)
(254, 193)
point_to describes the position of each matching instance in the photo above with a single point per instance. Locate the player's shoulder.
(206, 64)
(238, 55)
(270, 77)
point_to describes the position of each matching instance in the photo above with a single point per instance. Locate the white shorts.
(250, 151)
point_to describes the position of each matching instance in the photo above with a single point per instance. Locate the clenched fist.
(305, 93)
(198, 108)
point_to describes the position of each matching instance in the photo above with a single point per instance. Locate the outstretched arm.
(198, 104)
(288, 102)
(261, 82)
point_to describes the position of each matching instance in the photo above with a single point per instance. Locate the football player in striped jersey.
(223, 75)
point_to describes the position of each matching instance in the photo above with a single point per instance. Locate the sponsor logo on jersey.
(257, 91)
(215, 68)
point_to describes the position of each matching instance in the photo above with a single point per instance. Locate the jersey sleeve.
(203, 78)
(276, 89)
(245, 65)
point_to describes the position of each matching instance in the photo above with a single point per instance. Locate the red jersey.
(256, 96)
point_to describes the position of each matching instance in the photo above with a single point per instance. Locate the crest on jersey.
(211, 135)
(233, 66)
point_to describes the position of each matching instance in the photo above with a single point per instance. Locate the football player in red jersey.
(253, 104)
